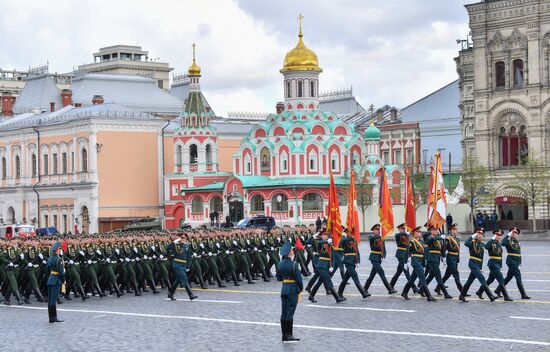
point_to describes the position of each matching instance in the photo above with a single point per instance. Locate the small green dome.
(372, 132)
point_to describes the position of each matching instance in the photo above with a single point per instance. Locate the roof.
(194, 104)
(136, 92)
(38, 93)
(180, 91)
(264, 181)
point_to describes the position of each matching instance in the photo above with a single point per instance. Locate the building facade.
(504, 81)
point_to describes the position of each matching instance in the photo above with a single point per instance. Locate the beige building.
(504, 70)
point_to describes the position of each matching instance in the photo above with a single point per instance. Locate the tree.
(364, 195)
(478, 187)
(531, 179)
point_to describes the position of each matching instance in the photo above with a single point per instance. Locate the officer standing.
(55, 280)
(289, 273)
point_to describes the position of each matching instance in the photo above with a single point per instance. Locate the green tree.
(531, 179)
(364, 196)
(477, 183)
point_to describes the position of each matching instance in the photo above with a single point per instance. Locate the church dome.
(372, 132)
(194, 69)
(300, 58)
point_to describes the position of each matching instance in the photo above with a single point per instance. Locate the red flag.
(299, 244)
(385, 210)
(410, 212)
(352, 219)
(334, 223)
(437, 203)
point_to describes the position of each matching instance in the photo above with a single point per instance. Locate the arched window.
(288, 91)
(193, 154)
(208, 154)
(279, 202)
(257, 203)
(500, 74)
(300, 89)
(34, 166)
(284, 162)
(312, 163)
(514, 146)
(342, 199)
(84, 160)
(17, 167)
(4, 169)
(216, 204)
(179, 155)
(356, 159)
(265, 158)
(312, 202)
(518, 73)
(334, 162)
(312, 88)
(247, 164)
(197, 205)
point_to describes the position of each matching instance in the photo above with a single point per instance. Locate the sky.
(391, 52)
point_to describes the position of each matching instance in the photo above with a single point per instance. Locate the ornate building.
(282, 166)
(505, 92)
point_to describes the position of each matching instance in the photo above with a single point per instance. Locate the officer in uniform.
(416, 251)
(494, 249)
(351, 259)
(323, 265)
(476, 246)
(452, 245)
(180, 265)
(402, 255)
(55, 280)
(289, 273)
(378, 251)
(434, 257)
(513, 260)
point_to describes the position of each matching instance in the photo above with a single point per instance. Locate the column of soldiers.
(144, 262)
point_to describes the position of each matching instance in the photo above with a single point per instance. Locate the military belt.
(496, 258)
(476, 258)
(402, 248)
(418, 255)
(54, 273)
(180, 260)
(288, 281)
(324, 258)
(337, 248)
(435, 252)
(376, 252)
(452, 253)
(515, 254)
(350, 254)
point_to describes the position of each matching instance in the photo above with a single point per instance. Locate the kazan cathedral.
(282, 166)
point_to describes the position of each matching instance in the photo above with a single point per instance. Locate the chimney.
(77, 105)
(97, 99)
(280, 107)
(379, 116)
(7, 104)
(52, 106)
(67, 97)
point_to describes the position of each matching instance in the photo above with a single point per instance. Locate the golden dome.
(194, 69)
(300, 58)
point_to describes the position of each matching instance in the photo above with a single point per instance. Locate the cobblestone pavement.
(247, 318)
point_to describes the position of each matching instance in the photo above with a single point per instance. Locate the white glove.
(247, 241)
(210, 253)
(443, 236)
(29, 265)
(22, 256)
(495, 236)
(153, 247)
(98, 252)
(71, 262)
(127, 259)
(272, 248)
(218, 245)
(226, 252)
(44, 262)
(235, 243)
(121, 260)
(154, 257)
(263, 242)
(108, 260)
(278, 239)
(117, 251)
(40, 256)
(177, 240)
(10, 264)
(201, 245)
(89, 261)
(145, 257)
(161, 256)
(255, 249)
(194, 255)
(81, 253)
(137, 259)
(135, 250)
(329, 240)
(474, 235)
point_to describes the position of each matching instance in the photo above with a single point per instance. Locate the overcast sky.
(392, 52)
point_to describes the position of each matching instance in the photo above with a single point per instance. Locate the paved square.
(247, 318)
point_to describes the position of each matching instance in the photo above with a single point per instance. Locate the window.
(513, 145)
(386, 157)
(355, 159)
(65, 224)
(257, 203)
(288, 91)
(216, 204)
(518, 73)
(312, 88)
(46, 166)
(54, 157)
(84, 160)
(197, 205)
(284, 162)
(193, 154)
(398, 158)
(248, 164)
(334, 162)
(312, 202)
(4, 169)
(312, 161)
(279, 203)
(45, 220)
(265, 157)
(179, 155)
(33, 162)
(174, 190)
(17, 167)
(72, 161)
(300, 89)
(160, 83)
(54, 221)
(409, 157)
(500, 74)
(64, 162)
(209, 154)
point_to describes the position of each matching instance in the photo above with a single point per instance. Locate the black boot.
(283, 330)
(219, 281)
(264, 276)
(522, 291)
(405, 293)
(50, 314)
(18, 298)
(429, 296)
(235, 281)
(54, 313)
(172, 291)
(117, 290)
(390, 288)
(82, 293)
(464, 293)
(489, 293)
(336, 296)
(99, 291)
(367, 284)
(414, 288)
(137, 292)
(505, 294)
(479, 292)
(38, 295)
(190, 293)
(154, 288)
(201, 281)
(290, 336)
(363, 293)
(445, 293)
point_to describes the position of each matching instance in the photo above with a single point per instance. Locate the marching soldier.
(181, 258)
(494, 249)
(402, 255)
(351, 259)
(452, 244)
(323, 266)
(289, 273)
(476, 246)
(513, 260)
(378, 251)
(9, 262)
(55, 280)
(416, 252)
(434, 257)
